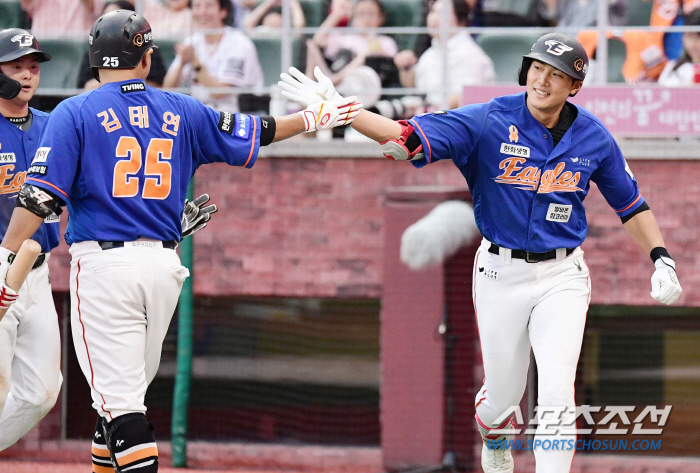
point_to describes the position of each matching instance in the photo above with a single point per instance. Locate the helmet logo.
(578, 64)
(24, 40)
(138, 40)
(557, 47)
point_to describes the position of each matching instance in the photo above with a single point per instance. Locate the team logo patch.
(578, 64)
(488, 273)
(557, 47)
(24, 40)
(41, 155)
(243, 126)
(138, 40)
(515, 150)
(513, 134)
(226, 122)
(559, 213)
(38, 169)
(133, 87)
(52, 219)
(7, 158)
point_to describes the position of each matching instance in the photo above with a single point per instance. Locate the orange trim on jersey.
(138, 455)
(252, 144)
(100, 452)
(48, 184)
(87, 351)
(430, 151)
(630, 205)
(102, 469)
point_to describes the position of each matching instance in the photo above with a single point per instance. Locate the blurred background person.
(337, 54)
(223, 59)
(269, 15)
(467, 63)
(155, 77)
(169, 18)
(581, 12)
(51, 17)
(685, 71)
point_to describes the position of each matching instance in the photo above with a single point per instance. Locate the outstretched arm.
(376, 127)
(644, 231)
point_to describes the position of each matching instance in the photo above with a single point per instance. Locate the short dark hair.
(461, 9)
(122, 4)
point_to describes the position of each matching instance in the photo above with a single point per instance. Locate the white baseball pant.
(122, 301)
(519, 306)
(30, 358)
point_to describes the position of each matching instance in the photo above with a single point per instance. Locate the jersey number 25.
(157, 180)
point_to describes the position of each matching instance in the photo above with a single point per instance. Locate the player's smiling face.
(547, 90)
(24, 70)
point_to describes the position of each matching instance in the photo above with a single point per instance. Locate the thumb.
(655, 288)
(319, 75)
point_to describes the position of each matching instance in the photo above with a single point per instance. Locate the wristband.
(661, 252)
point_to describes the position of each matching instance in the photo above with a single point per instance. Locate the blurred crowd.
(214, 48)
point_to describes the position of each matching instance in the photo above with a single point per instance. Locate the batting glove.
(8, 296)
(305, 91)
(195, 216)
(665, 287)
(330, 113)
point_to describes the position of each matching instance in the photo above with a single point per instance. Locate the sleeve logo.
(243, 126)
(41, 155)
(38, 169)
(226, 122)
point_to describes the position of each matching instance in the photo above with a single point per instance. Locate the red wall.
(314, 227)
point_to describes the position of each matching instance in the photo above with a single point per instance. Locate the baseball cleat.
(496, 460)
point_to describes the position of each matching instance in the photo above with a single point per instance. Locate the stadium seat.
(506, 51)
(167, 50)
(404, 13)
(270, 56)
(10, 14)
(617, 52)
(61, 72)
(639, 12)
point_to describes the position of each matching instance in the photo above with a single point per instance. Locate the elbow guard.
(407, 148)
(38, 201)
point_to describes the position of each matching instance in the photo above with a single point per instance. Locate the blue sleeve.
(231, 138)
(55, 163)
(617, 183)
(449, 135)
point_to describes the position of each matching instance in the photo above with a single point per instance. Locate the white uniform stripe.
(140, 446)
(99, 445)
(100, 460)
(141, 465)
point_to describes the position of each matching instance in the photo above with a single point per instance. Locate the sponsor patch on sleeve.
(41, 155)
(52, 219)
(559, 213)
(41, 169)
(133, 87)
(243, 127)
(226, 122)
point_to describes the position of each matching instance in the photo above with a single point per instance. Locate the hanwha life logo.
(138, 40)
(557, 47)
(578, 64)
(24, 40)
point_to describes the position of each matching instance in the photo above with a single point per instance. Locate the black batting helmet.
(15, 43)
(118, 40)
(560, 51)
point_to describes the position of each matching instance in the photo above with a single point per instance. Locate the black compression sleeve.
(267, 130)
(642, 208)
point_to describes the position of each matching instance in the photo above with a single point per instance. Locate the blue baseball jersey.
(121, 158)
(528, 194)
(17, 149)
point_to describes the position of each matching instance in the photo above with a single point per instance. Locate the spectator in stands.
(343, 52)
(467, 63)
(62, 16)
(206, 60)
(685, 71)
(506, 13)
(169, 19)
(155, 78)
(240, 11)
(269, 15)
(581, 12)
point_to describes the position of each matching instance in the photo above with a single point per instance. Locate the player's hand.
(195, 216)
(665, 287)
(330, 113)
(304, 91)
(7, 295)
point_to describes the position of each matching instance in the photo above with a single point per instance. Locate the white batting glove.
(305, 91)
(330, 113)
(195, 216)
(665, 287)
(8, 296)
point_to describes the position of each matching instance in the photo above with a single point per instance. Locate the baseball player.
(30, 353)
(121, 157)
(529, 160)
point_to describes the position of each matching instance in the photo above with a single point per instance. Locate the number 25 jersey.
(121, 158)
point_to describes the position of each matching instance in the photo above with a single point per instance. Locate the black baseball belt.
(529, 256)
(108, 245)
(41, 259)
